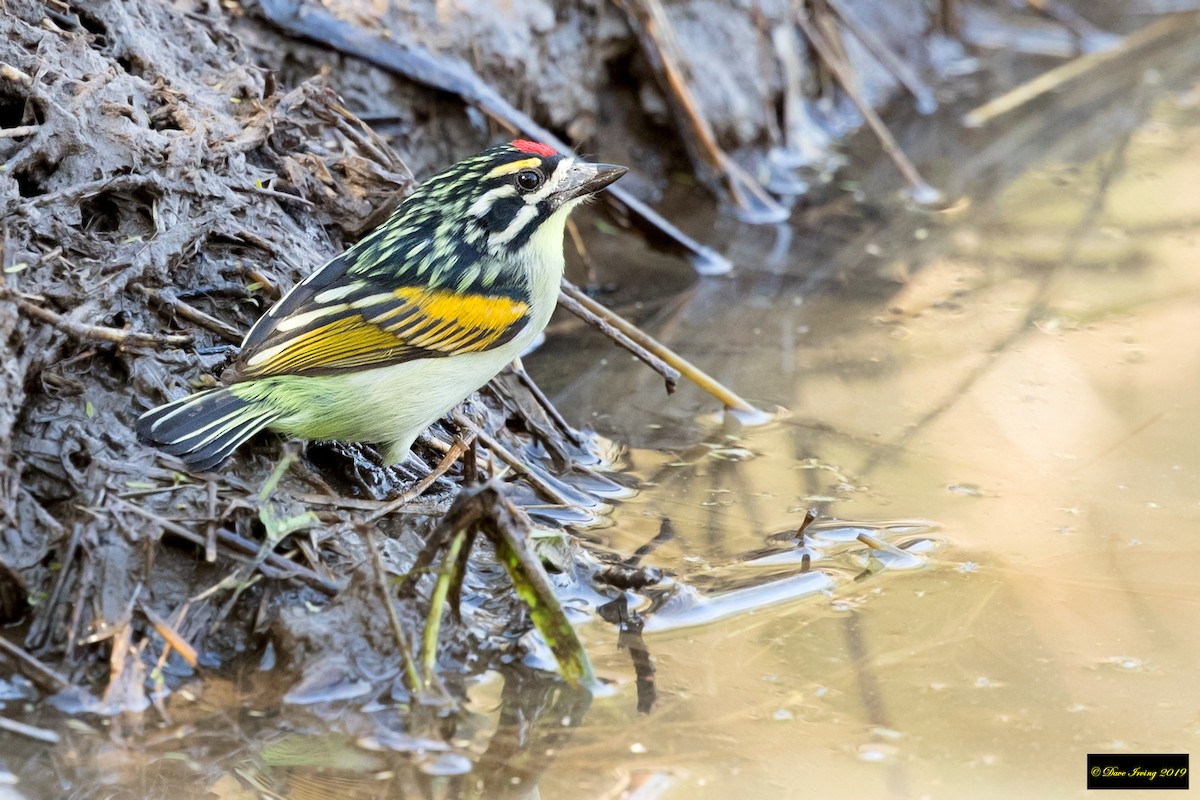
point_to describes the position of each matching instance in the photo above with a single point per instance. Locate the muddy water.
(994, 410)
(1022, 369)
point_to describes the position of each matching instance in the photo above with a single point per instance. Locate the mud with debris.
(161, 197)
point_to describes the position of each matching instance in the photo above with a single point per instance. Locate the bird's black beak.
(586, 179)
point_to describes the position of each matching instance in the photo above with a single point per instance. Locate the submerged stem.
(437, 603)
(412, 675)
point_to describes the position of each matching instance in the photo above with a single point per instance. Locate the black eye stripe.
(502, 212)
(522, 237)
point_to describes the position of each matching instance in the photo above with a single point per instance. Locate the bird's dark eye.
(529, 179)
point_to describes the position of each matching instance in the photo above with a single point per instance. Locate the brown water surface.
(1024, 370)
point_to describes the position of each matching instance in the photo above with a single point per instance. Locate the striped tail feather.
(205, 428)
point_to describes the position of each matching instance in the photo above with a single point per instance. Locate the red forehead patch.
(537, 148)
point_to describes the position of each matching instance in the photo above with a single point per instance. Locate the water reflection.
(1018, 369)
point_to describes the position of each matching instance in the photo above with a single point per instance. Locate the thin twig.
(81, 191)
(244, 236)
(34, 669)
(620, 338)
(80, 330)
(20, 130)
(655, 34)
(948, 18)
(462, 515)
(160, 689)
(417, 506)
(644, 340)
(417, 489)
(365, 137)
(581, 249)
(501, 452)
(210, 534)
(437, 602)
(411, 671)
(1066, 16)
(40, 734)
(518, 369)
(875, 543)
(263, 190)
(193, 314)
(39, 631)
(513, 405)
(241, 549)
(171, 636)
(908, 78)
(922, 191)
(1049, 86)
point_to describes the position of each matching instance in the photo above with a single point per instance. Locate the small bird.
(385, 339)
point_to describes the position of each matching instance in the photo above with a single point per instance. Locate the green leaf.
(533, 586)
(277, 527)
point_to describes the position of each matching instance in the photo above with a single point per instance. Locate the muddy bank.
(157, 198)
(161, 198)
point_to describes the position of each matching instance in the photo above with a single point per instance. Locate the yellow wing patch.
(465, 310)
(386, 328)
